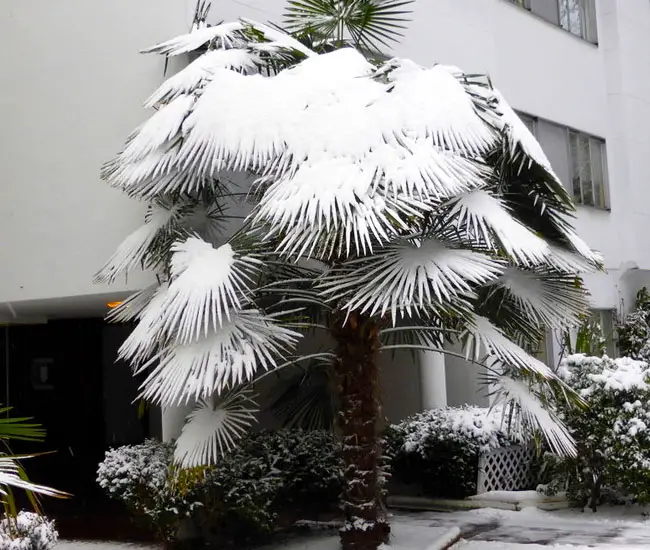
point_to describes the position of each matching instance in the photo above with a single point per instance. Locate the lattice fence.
(506, 469)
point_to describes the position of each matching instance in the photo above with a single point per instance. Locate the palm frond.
(208, 285)
(11, 477)
(411, 277)
(245, 343)
(214, 428)
(482, 338)
(225, 34)
(306, 400)
(132, 252)
(525, 406)
(368, 23)
(201, 71)
(548, 299)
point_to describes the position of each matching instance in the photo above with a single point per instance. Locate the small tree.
(393, 206)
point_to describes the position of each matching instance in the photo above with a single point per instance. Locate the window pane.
(585, 172)
(571, 16)
(597, 172)
(590, 21)
(574, 153)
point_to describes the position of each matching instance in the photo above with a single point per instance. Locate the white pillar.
(433, 381)
(173, 419)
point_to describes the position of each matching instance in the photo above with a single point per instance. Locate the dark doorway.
(64, 375)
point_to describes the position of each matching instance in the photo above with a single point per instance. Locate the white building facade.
(574, 69)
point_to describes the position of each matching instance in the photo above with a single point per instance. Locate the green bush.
(290, 473)
(438, 449)
(269, 477)
(612, 435)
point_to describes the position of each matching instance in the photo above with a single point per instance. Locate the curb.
(446, 541)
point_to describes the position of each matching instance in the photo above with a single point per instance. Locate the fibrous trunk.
(357, 383)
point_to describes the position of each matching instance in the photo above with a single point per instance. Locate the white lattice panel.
(506, 469)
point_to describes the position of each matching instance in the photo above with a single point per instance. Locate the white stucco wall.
(73, 83)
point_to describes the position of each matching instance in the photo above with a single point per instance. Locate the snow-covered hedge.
(612, 433)
(439, 448)
(27, 531)
(288, 473)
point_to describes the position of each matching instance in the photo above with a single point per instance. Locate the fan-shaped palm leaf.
(410, 277)
(528, 408)
(368, 23)
(214, 428)
(246, 342)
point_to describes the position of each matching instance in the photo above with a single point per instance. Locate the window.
(588, 170)
(579, 160)
(579, 18)
(575, 16)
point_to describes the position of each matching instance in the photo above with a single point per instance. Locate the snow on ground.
(482, 545)
(92, 545)
(611, 528)
(408, 533)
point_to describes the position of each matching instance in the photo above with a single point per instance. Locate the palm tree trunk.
(357, 386)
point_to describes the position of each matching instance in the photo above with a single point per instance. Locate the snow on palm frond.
(132, 252)
(132, 307)
(550, 300)
(410, 276)
(582, 248)
(252, 120)
(412, 168)
(521, 136)
(330, 208)
(10, 477)
(214, 428)
(276, 39)
(432, 103)
(247, 342)
(225, 35)
(147, 336)
(207, 285)
(486, 217)
(481, 338)
(201, 71)
(160, 129)
(529, 410)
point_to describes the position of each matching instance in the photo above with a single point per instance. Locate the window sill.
(551, 24)
(605, 210)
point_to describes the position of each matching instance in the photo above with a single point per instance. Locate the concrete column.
(173, 419)
(433, 380)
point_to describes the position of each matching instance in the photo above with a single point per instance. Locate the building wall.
(77, 83)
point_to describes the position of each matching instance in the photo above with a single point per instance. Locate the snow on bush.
(141, 476)
(611, 434)
(439, 448)
(239, 499)
(27, 531)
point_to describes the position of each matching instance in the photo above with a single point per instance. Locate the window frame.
(588, 17)
(604, 191)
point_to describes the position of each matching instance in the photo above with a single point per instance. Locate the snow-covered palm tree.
(392, 206)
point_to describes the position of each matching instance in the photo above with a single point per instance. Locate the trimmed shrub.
(27, 531)
(439, 449)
